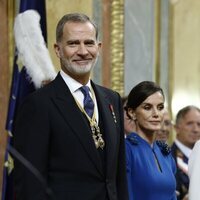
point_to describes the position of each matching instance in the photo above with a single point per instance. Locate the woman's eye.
(160, 107)
(147, 107)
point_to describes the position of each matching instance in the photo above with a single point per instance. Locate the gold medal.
(97, 136)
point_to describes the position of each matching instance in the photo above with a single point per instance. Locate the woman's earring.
(133, 116)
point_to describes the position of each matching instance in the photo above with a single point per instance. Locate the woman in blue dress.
(150, 166)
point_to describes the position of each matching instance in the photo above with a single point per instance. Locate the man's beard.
(77, 69)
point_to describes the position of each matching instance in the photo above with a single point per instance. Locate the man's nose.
(82, 49)
(196, 127)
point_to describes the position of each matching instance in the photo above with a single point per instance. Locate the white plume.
(32, 50)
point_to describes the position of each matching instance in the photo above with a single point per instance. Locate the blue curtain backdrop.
(21, 87)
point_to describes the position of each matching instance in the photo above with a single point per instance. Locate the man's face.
(78, 50)
(188, 128)
(166, 129)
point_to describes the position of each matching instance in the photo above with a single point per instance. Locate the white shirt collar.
(185, 150)
(74, 87)
(72, 83)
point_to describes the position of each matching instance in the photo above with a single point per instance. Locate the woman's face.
(149, 114)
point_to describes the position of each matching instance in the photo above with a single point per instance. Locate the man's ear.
(57, 50)
(99, 45)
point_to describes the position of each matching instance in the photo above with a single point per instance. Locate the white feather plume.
(32, 50)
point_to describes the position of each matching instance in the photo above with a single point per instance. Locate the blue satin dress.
(150, 170)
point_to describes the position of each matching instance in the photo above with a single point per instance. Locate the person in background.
(150, 166)
(71, 130)
(187, 127)
(194, 172)
(129, 124)
(166, 128)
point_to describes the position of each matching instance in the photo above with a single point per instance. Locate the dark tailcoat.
(54, 135)
(182, 178)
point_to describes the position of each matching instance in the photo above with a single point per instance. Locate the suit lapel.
(110, 129)
(75, 119)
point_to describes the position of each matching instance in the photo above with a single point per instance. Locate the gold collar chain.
(96, 134)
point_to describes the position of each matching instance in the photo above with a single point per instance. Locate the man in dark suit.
(79, 153)
(187, 133)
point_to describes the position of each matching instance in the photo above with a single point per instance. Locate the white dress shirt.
(74, 87)
(185, 150)
(194, 172)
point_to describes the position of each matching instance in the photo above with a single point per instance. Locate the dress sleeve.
(129, 165)
(174, 169)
